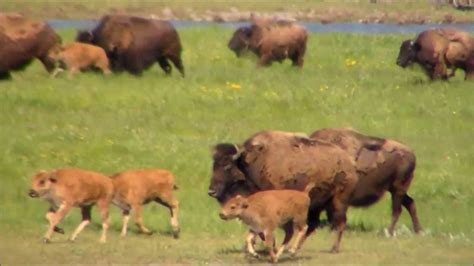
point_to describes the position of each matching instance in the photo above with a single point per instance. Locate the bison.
(382, 165)
(271, 41)
(22, 40)
(283, 160)
(133, 188)
(80, 56)
(264, 211)
(135, 43)
(72, 187)
(436, 50)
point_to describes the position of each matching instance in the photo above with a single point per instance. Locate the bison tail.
(175, 187)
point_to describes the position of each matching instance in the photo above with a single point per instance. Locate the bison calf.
(133, 188)
(80, 56)
(71, 187)
(266, 210)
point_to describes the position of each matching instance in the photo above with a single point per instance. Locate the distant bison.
(22, 40)
(436, 50)
(271, 41)
(134, 43)
(80, 56)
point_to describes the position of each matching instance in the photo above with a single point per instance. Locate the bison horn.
(237, 153)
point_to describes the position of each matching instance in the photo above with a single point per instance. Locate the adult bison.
(382, 165)
(271, 41)
(135, 43)
(22, 40)
(436, 50)
(282, 160)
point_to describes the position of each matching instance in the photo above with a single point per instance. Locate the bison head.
(407, 53)
(240, 40)
(85, 36)
(41, 184)
(225, 173)
(234, 207)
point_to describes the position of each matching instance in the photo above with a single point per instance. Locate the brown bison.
(264, 211)
(283, 160)
(133, 188)
(135, 43)
(271, 41)
(80, 56)
(436, 50)
(71, 187)
(382, 165)
(22, 40)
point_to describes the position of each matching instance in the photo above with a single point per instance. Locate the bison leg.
(396, 210)
(137, 216)
(173, 205)
(297, 59)
(103, 206)
(178, 63)
(164, 65)
(86, 219)
(55, 219)
(409, 204)
(250, 243)
(125, 219)
(48, 63)
(264, 60)
(269, 241)
(340, 210)
(49, 215)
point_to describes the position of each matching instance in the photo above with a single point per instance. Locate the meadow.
(113, 123)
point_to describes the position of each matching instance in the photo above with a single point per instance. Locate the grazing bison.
(71, 187)
(135, 43)
(438, 49)
(264, 211)
(133, 188)
(271, 41)
(282, 160)
(22, 40)
(80, 56)
(382, 165)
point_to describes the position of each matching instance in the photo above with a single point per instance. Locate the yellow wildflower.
(350, 62)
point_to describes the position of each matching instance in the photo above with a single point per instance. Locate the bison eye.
(41, 182)
(232, 207)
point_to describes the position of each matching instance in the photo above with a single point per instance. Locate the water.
(310, 26)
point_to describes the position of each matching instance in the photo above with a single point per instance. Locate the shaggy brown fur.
(271, 41)
(22, 40)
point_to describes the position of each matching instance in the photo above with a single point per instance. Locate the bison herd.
(274, 178)
(133, 44)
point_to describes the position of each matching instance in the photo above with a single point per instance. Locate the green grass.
(109, 124)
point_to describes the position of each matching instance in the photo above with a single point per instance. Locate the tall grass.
(109, 124)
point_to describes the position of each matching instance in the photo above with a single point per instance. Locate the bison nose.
(33, 193)
(212, 193)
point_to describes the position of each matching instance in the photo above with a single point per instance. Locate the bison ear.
(53, 180)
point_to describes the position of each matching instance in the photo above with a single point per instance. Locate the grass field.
(109, 124)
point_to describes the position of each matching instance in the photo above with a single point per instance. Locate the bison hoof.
(59, 230)
(46, 240)
(334, 250)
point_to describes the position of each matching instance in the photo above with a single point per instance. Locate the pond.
(310, 26)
